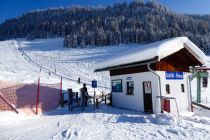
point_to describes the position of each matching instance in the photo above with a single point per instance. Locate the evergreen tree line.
(135, 22)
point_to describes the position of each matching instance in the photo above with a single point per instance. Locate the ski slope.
(71, 63)
(14, 66)
(105, 123)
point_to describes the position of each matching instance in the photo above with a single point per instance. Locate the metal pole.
(8, 103)
(94, 97)
(111, 98)
(191, 77)
(61, 88)
(177, 110)
(70, 100)
(148, 67)
(198, 89)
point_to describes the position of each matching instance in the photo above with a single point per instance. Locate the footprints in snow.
(69, 134)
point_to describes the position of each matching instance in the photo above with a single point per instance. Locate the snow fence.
(24, 97)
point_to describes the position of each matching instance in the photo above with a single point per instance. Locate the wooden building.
(154, 77)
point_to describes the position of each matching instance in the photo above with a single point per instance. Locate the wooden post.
(37, 96)
(77, 100)
(97, 103)
(70, 100)
(111, 99)
(102, 96)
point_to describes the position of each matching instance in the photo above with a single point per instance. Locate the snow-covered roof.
(159, 50)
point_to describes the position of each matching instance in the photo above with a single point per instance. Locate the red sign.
(167, 105)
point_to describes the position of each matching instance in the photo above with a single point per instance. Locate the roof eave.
(139, 63)
(194, 54)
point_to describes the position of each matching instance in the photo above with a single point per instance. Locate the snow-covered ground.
(105, 123)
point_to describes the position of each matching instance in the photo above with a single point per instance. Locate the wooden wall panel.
(179, 61)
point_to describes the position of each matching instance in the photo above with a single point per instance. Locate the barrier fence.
(31, 98)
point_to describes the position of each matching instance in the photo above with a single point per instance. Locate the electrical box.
(166, 105)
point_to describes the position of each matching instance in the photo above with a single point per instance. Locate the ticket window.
(167, 89)
(130, 88)
(117, 85)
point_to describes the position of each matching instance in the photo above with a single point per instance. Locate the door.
(147, 93)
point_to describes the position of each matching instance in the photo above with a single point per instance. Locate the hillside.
(135, 22)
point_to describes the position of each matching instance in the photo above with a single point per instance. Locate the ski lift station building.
(141, 78)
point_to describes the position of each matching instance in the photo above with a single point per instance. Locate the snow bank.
(199, 119)
(105, 123)
(165, 119)
(9, 117)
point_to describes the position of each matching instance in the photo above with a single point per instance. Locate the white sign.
(174, 75)
(147, 87)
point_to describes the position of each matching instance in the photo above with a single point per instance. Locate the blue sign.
(129, 78)
(94, 84)
(174, 75)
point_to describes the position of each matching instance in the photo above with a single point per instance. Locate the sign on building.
(129, 78)
(147, 87)
(174, 75)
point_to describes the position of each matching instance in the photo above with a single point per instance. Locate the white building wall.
(182, 98)
(136, 101)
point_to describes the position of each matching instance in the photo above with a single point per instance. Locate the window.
(205, 81)
(117, 85)
(130, 88)
(167, 89)
(182, 87)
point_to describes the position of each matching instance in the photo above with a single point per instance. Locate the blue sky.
(14, 8)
